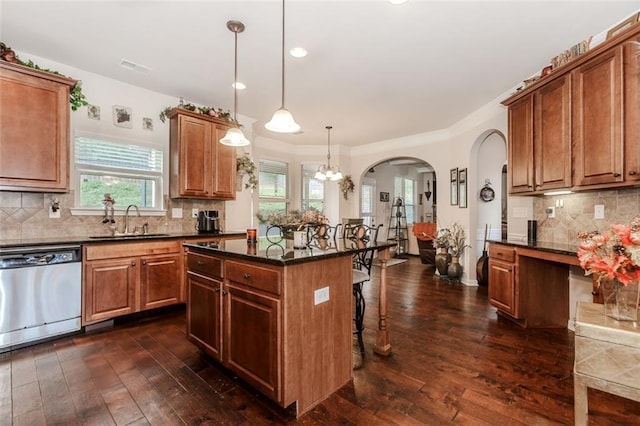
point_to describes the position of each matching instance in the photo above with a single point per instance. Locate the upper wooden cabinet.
(201, 167)
(579, 127)
(34, 129)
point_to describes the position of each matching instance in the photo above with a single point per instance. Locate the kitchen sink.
(125, 236)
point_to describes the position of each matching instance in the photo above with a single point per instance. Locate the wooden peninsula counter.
(281, 319)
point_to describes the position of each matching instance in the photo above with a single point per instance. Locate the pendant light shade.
(326, 172)
(282, 120)
(234, 136)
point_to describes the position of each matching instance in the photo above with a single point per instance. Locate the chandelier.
(326, 172)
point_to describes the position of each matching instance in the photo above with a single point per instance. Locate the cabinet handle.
(133, 263)
(144, 262)
(595, 293)
(632, 173)
(246, 276)
(224, 292)
(216, 290)
(200, 263)
(616, 175)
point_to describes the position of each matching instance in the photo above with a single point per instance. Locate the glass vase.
(620, 301)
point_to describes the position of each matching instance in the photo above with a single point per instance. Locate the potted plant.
(457, 245)
(204, 110)
(443, 257)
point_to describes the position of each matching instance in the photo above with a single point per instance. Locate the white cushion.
(359, 276)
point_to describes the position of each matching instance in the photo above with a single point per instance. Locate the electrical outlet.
(321, 295)
(176, 213)
(54, 215)
(598, 211)
(551, 212)
(194, 212)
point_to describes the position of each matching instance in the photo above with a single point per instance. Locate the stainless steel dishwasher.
(40, 293)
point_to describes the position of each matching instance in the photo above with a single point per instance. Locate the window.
(272, 189)
(367, 199)
(131, 173)
(312, 189)
(405, 188)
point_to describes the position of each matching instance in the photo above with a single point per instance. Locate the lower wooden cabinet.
(502, 291)
(237, 311)
(121, 279)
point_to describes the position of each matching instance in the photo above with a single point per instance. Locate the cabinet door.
(632, 110)
(160, 280)
(502, 286)
(552, 135)
(224, 173)
(597, 120)
(252, 337)
(34, 133)
(521, 146)
(109, 289)
(194, 163)
(204, 326)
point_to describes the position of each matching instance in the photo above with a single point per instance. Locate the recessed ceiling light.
(132, 66)
(397, 1)
(298, 52)
(238, 85)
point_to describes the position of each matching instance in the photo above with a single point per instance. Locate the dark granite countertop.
(48, 241)
(547, 246)
(283, 253)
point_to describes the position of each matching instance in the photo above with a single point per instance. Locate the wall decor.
(487, 193)
(623, 26)
(462, 188)
(93, 112)
(122, 116)
(454, 186)
(147, 124)
(384, 197)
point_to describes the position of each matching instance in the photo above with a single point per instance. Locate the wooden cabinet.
(34, 129)
(121, 279)
(540, 139)
(200, 166)
(262, 322)
(579, 127)
(503, 293)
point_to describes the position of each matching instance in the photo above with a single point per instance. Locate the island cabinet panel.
(598, 120)
(275, 335)
(34, 129)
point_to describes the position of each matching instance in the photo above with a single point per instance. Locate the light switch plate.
(321, 295)
(54, 215)
(176, 212)
(598, 211)
(194, 212)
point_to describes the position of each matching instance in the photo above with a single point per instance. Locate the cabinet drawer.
(205, 265)
(254, 276)
(129, 249)
(504, 253)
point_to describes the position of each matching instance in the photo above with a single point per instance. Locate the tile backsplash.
(25, 215)
(577, 213)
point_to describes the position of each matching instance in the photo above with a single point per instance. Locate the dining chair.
(360, 236)
(323, 236)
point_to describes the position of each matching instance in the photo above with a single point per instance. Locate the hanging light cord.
(282, 54)
(235, 78)
(328, 147)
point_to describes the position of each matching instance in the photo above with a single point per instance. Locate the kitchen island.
(278, 317)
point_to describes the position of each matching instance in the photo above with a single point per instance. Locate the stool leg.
(359, 313)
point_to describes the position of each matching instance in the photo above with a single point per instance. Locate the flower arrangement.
(294, 219)
(244, 164)
(204, 110)
(457, 240)
(614, 255)
(347, 186)
(442, 238)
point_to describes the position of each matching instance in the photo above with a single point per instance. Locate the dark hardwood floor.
(453, 361)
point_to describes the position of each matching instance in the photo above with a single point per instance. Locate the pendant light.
(327, 172)
(234, 136)
(282, 120)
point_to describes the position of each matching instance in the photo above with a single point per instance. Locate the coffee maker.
(208, 222)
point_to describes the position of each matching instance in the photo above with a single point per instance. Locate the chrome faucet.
(126, 218)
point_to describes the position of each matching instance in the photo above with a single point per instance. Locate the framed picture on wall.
(462, 188)
(384, 197)
(454, 186)
(122, 116)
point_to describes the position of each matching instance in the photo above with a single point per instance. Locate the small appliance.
(208, 222)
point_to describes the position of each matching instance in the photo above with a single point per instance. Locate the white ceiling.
(374, 71)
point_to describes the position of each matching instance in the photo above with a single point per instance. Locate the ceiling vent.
(132, 66)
